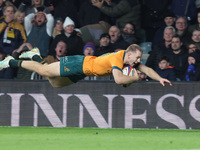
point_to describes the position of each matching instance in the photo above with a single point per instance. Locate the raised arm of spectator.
(28, 23)
(50, 23)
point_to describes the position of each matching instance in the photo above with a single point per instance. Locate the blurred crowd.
(95, 27)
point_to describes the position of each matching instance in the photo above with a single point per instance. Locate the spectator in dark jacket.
(162, 48)
(116, 40)
(165, 70)
(128, 34)
(182, 30)
(193, 70)
(74, 42)
(178, 58)
(104, 45)
(169, 20)
(122, 12)
(185, 8)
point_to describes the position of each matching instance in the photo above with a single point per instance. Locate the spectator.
(193, 70)
(184, 8)
(19, 17)
(37, 6)
(125, 11)
(89, 49)
(165, 70)
(7, 73)
(178, 58)
(142, 76)
(60, 51)
(196, 37)
(128, 34)
(169, 20)
(104, 45)
(197, 25)
(12, 33)
(39, 29)
(182, 30)
(74, 42)
(58, 27)
(192, 47)
(162, 48)
(116, 40)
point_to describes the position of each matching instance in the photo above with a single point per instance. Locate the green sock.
(38, 59)
(15, 63)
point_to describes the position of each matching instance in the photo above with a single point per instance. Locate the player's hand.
(135, 73)
(163, 81)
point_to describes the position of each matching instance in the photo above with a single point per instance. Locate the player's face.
(134, 58)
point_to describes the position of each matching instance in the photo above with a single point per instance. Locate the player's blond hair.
(134, 48)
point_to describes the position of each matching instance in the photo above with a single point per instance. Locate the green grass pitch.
(47, 138)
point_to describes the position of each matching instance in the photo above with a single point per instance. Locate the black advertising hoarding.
(100, 104)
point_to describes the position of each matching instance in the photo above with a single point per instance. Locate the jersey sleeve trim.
(115, 67)
(124, 55)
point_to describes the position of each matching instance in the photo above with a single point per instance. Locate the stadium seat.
(144, 58)
(146, 47)
(36, 76)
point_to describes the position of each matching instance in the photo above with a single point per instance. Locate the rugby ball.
(128, 71)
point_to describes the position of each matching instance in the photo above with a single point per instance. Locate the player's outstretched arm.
(123, 79)
(153, 75)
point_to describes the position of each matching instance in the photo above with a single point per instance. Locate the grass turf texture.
(46, 138)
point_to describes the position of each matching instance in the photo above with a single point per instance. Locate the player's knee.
(53, 83)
